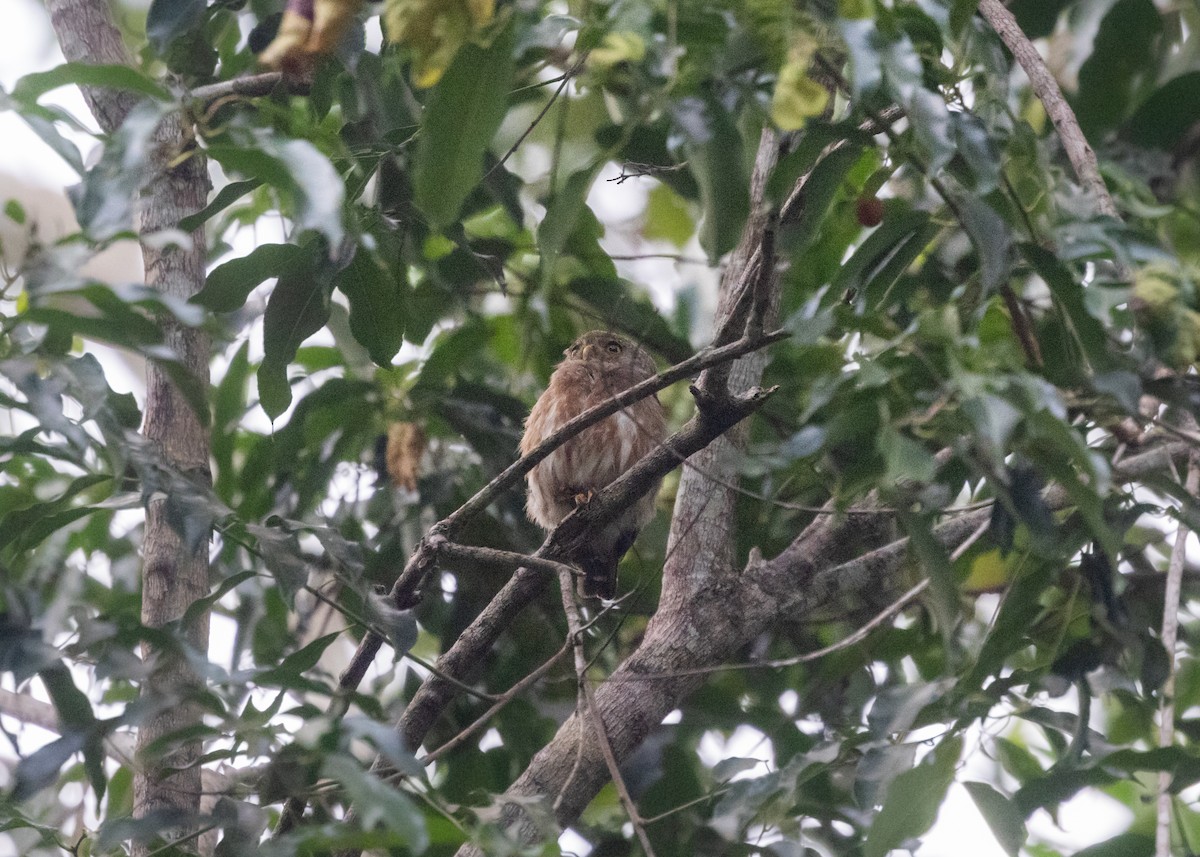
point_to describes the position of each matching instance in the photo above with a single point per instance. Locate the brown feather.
(597, 366)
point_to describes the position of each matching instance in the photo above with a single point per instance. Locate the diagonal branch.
(587, 707)
(87, 33)
(1079, 152)
(698, 579)
(682, 642)
(712, 420)
(1170, 640)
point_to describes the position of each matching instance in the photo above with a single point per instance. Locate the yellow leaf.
(989, 572)
(856, 8)
(617, 48)
(668, 217)
(287, 49)
(797, 98)
(434, 30)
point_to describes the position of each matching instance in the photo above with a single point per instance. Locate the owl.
(596, 367)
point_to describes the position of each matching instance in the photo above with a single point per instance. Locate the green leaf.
(718, 166)
(913, 800)
(820, 190)
(298, 308)
(668, 217)
(25, 527)
(281, 554)
(200, 605)
(863, 39)
(1164, 118)
(300, 171)
(878, 768)
(462, 116)
(1122, 845)
(935, 562)
(299, 662)
(992, 239)
(1008, 635)
(893, 235)
(1124, 61)
(378, 807)
(1038, 17)
(388, 742)
(39, 770)
(1001, 814)
(167, 20)
(931, 125)
(978, 150)
(896, 709)
(377, 306)
(74, 709)
(1068, 293)
(33, 86)
(961, 13)
(62, 147)
(225, 197)
(562, 214)
(230, 283)
(104, 203)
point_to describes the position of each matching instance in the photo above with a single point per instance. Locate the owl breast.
(596, 456)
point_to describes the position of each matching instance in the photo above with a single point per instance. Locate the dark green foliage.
(378, 257)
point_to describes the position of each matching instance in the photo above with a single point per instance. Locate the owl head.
(611, 354)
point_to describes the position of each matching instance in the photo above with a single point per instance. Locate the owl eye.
(614, 347)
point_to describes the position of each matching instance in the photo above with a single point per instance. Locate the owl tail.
(599, 577)
(599, 563)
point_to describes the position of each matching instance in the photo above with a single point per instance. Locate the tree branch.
(87, 34)
(174, 572)
(712, 419)
(727, 612)
(249, 86)
(1170, 640)
(699, 574)
(1045, 87)
(587, 708)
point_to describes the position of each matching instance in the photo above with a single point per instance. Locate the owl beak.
(587, 351)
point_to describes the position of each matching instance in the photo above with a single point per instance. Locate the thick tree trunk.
(174, 575)
(694, 625)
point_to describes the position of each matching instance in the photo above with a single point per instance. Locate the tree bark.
(174, 574)
(694, 624)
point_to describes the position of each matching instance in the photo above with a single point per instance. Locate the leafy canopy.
(965, 331)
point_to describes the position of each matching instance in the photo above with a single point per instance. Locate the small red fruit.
(869, 210)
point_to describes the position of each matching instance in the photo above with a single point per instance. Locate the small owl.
(597, 366)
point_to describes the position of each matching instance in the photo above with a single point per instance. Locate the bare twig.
(672, 257)
(589, 714)
(1079, 152)
(501, 701)
(525, 584)
(504, 559)
(564, 80)
(1022, 327)
(250, 86)
(1170, 639)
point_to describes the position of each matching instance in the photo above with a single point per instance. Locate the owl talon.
(584, 497)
